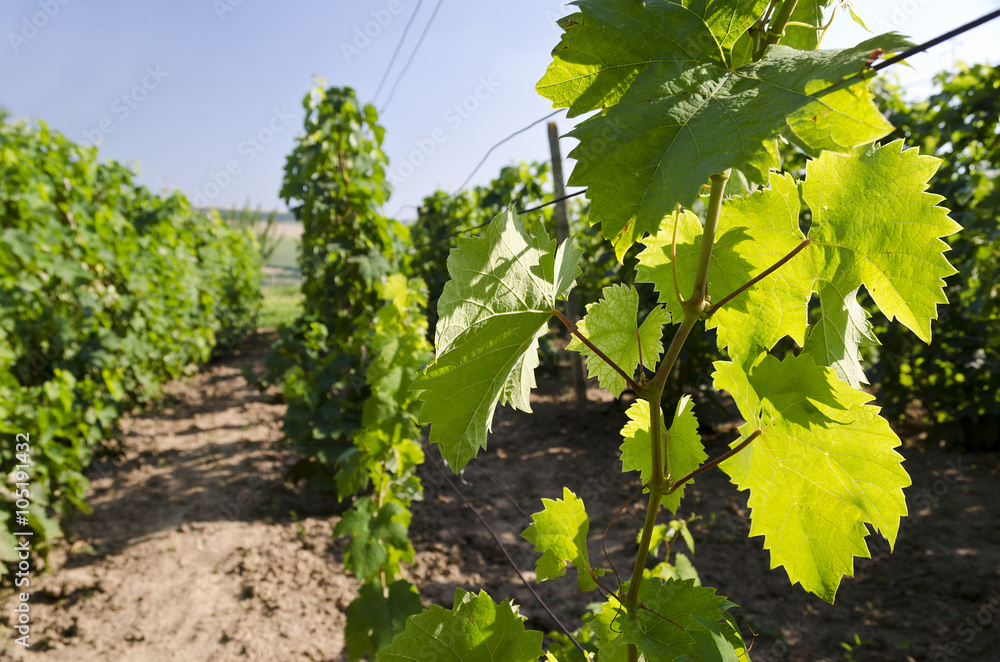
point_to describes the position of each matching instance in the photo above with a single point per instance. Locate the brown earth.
(197, 550)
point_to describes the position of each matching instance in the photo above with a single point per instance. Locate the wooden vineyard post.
(562, 233)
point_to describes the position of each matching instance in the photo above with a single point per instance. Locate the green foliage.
(254, 221)
(822, 467)
(347, 363)
(106, 291)
(676, 113)
(474, 629)
(681, 619)
(378, 615)
(694, 95)
(957, 377)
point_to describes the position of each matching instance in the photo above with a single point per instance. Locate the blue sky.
(186, 88)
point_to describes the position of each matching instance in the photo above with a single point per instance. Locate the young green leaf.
(474, 630)
(685, 452)
(637, 445)
(675, 113)
(559, 532)
(375, 616)
(612, 325)
(504, 285)
(822, 468)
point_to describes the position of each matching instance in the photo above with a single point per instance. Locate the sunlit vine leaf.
(823, 467)
(875, 225)
(840, 332)
(474, 630)
(504, 285)
(674, 112)
(559, 532)
(612, 325)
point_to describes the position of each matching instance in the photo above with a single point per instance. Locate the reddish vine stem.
(632, 384)
(764, 274)
(714, 463)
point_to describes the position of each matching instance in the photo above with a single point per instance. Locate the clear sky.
(186, 87)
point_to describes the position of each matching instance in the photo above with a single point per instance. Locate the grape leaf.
(681, 608)
(559, 533)
(503, 287)
(674, 112)
(374, 618)
(875, 225)
(474, 630)
(375, 532)
(685, 452)
(611, 324)
(822, 467)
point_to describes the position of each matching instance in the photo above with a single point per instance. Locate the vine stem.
(714, 463)
(694, 308)
(776, 30)
(764, 274)
(632, 384)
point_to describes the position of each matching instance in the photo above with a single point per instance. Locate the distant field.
(281, 304)
(282, 268)
(286, 253)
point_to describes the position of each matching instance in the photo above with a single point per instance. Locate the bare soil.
(197, 549)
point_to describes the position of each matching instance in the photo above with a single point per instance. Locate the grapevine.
(688, 97)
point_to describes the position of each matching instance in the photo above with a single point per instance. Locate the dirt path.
(193, 553)
(190, 553)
